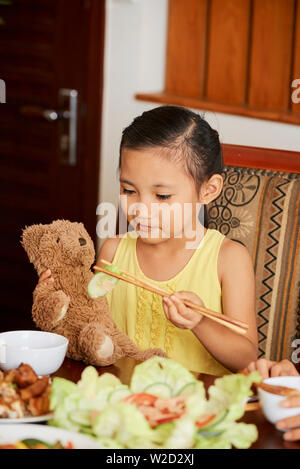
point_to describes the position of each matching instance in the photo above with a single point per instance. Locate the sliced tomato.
(69, 445)
(169, 418)
(141, 398)
(204, 420)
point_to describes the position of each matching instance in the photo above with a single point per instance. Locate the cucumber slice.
(217, 420)
(207, 434)
(159, 389)
(187, 389)
(81, 417)
(118, 394)
(101, 284)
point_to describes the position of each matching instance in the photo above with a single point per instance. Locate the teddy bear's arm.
(49, 306)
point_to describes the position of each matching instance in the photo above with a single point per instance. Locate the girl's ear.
(211, 189)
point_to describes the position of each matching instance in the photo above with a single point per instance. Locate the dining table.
(268, 436)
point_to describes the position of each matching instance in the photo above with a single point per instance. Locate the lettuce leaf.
(231, 392)
(74, 405)
(163, 371)
(94, 406)
(124, 424)
(239, 435)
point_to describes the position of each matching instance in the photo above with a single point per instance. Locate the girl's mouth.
(146, 228)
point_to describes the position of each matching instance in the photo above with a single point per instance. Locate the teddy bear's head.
(57, 244)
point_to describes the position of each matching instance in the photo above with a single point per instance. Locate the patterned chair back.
(261, 210)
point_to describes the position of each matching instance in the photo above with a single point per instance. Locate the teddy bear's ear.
(31, 240)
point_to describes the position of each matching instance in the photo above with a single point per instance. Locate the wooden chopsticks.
(237, 326)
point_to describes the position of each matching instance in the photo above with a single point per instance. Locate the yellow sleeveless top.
(139, 313)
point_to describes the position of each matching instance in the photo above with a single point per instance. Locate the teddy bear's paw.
(95, 344)
(107, 348)
(62, 302)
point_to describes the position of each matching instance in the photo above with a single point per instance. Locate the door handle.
(68, 100)
(48, 114)
(67, 118)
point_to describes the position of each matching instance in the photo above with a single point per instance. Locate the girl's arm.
(236, 276)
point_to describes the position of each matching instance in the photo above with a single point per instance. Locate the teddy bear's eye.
(58, 240)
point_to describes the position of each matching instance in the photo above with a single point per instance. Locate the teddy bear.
(64, 306)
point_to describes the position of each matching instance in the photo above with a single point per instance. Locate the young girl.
(170, 155)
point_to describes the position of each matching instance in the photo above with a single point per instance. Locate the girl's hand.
(268, 368)
(45, 278)
(290, 423)
(180, 315)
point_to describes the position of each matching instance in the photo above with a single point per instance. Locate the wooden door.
(51, 60)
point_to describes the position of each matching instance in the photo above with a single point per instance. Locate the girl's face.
(158, 196)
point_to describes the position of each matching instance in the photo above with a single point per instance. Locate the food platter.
(10, 434)
(24, 396)
(29, 419)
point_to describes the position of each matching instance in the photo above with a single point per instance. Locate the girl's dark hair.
(189, 137)
(186, 133)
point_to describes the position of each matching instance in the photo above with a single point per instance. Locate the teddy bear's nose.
(82, 241)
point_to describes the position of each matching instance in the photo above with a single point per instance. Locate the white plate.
(9, 434)
(40, 418)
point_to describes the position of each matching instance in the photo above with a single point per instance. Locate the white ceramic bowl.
(270, 403)
(43, 351)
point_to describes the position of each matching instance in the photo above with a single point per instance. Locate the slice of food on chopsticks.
(233, 324)
(102, 283)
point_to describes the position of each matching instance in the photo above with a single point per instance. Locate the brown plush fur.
(64, 306)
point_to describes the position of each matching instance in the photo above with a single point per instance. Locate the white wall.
(134, 61)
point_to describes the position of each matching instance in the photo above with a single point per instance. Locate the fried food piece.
(10, 376)
(8, 393)
(35, 389)
(40, 405)
(25, 376)
(12, 409)
(19, 409)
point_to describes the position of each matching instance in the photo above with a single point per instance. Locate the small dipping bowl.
(270, 403)
(43, 351)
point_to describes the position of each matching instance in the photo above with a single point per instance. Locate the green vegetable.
(159, 389)
(124, 424)
(102, 283)
(239, 435)
(231, 392)
(81, 417)
(162, 370)
(94, 406)
(31, 442)
(216, 421)
(117, 394)
(188, 388)
(75, 404)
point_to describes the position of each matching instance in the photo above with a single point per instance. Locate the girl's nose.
(142, 209)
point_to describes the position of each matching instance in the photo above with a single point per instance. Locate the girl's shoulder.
(233, 256)
(231, 247)
(109, 248)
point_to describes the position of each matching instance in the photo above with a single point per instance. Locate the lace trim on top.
(149, 305)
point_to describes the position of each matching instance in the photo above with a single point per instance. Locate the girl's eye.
(163, 196)
(127, 191)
